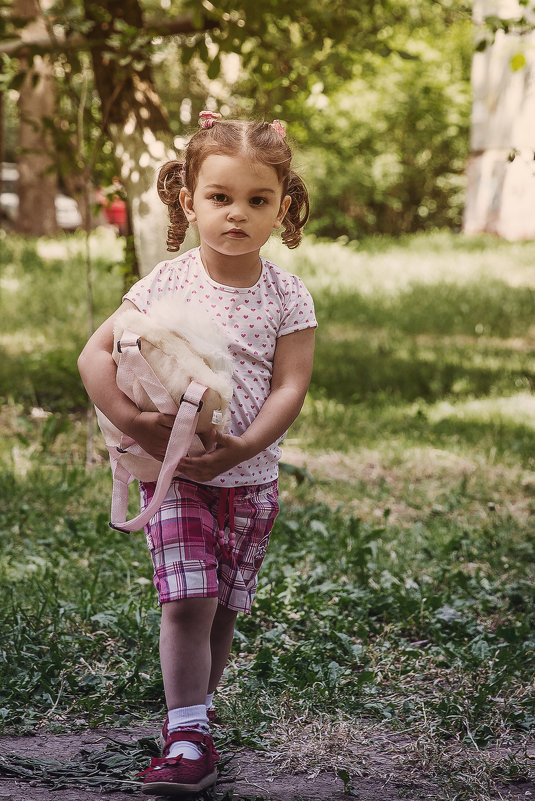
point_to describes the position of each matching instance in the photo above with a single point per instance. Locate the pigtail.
(171, 179)
(298, 211)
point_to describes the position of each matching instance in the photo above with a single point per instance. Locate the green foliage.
(386, 152)
(318, 43)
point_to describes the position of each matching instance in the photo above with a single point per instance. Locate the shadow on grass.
(472, 427)
(359, 369)
(442, 308)
(49, 380)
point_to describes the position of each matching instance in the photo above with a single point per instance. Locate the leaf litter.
(313, 761)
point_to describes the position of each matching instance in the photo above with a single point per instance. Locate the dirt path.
(251, 775)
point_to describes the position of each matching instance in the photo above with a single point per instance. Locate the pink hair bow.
(207, 118)
(279, 127)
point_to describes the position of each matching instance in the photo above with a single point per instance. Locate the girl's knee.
(189, 611)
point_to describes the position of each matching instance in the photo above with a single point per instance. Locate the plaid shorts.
(192, 558)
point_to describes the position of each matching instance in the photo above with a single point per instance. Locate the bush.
(390, 148)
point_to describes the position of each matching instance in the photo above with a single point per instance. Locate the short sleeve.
(146, 290)
(298, 311)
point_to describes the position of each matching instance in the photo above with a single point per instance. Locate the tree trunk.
(37, 186)
(141, 150)
(137, 124)
(500, 196)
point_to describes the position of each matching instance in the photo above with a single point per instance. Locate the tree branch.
(153, 26)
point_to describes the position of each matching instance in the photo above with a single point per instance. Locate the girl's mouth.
(235, 233)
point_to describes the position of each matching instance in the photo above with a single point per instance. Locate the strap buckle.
(193, 403)
(128, 344)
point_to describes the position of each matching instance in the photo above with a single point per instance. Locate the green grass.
(398, 590)
(45, 322)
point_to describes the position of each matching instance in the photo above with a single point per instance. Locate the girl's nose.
(236, 212)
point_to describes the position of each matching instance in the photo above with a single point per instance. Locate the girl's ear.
(285, 205)
(186, 201)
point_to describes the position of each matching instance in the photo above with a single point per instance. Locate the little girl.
(237, 185)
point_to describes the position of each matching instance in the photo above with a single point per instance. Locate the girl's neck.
(238, 271)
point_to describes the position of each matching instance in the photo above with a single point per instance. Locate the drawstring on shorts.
(224, 544)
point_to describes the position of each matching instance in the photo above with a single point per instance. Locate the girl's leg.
(185, 650)
(220, 643)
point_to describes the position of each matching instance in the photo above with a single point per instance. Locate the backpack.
(175, 361)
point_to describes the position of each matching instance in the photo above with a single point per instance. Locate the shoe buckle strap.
(190, 736)
(161, 762)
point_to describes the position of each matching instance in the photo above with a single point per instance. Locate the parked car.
(67, 213)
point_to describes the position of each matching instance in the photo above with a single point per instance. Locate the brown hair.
(261, 142)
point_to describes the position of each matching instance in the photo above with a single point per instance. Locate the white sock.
(209, 700)
(184, 718)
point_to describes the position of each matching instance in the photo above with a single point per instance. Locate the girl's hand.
(229, 451)
(152, 430)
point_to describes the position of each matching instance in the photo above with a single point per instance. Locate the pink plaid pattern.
(182, 541)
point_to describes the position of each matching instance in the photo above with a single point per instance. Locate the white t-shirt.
(251, 320)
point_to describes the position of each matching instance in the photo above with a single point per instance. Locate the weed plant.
(398, 587)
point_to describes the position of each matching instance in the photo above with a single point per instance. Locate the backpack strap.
(132, 363)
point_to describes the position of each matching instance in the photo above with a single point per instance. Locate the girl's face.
(236, 204)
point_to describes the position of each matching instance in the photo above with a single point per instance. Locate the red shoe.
(178, 775)
(210, 714)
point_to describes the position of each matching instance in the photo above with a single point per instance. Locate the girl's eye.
(219, 198)
(257, 201)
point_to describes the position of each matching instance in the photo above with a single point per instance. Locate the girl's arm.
(98, 371)
(292, 368)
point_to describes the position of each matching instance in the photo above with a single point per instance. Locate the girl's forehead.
(239, 168)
